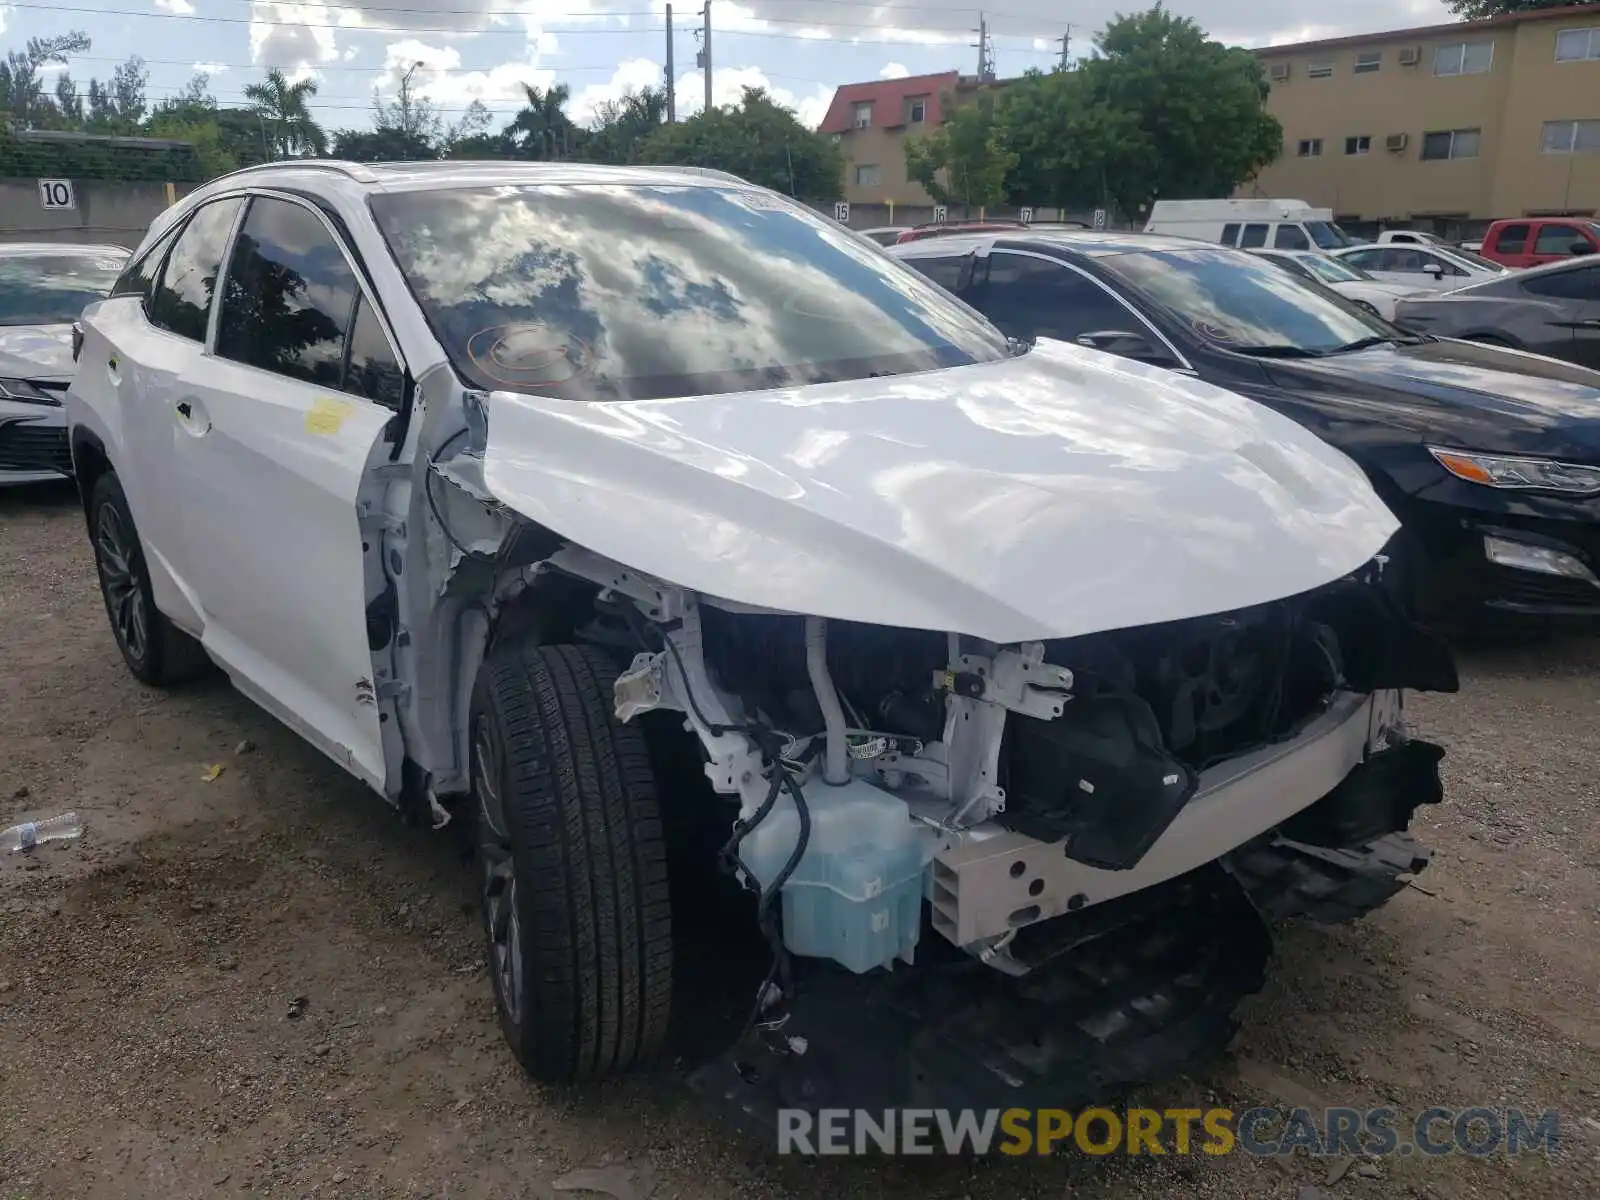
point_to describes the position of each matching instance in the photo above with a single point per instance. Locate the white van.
(1251, 224)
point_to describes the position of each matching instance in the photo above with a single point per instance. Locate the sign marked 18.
(1099, 218)
(57, 193)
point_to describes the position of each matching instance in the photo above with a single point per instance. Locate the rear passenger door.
(276, 429)
(1574, 327)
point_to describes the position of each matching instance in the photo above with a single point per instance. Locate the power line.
(508, 31)
(366, 10)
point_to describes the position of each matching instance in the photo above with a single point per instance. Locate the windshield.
(1475, 260)
(1331, 270)
(1327, 235)
(53, 289)
(635, 292)
(1238, 302)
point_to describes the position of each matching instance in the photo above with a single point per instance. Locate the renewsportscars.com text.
(1476, 1132)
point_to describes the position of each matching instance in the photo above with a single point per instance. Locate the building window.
(1578, 45)
(864, 115)
(1571, 137)
(919, 112)
(1369, 61)
(867, 175)
(1309, 148)
(1463, 58)
(1451, 143)
(1361, 144)
(1319, 70)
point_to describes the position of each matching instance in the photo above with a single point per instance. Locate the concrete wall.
(107, 211)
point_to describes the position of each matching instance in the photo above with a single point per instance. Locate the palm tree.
(286, 121)
(542, 128)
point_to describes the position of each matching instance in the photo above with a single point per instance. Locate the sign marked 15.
(57, 193)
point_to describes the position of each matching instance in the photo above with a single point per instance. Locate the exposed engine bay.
(877, 768)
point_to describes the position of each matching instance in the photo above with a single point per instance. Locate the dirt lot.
(265, 984)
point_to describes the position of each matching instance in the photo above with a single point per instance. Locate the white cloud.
(633, 75)
(5, 11)
(181, 7)
(209, 68)
(894, 71)
(441, 79)
(294, 37)
(728, 85)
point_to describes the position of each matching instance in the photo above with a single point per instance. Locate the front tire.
(572, 864)
(156, 651)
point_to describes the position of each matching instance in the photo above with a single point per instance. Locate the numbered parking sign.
(57, 193)
(1027, 216)
(1099, 218)
(841, 212)
(940, 212)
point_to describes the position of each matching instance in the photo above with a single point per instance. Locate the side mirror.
(1433, 269)
(1121, 342)
(1581, 247)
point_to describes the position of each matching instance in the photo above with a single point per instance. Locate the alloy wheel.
(121, 582)
(497, 873)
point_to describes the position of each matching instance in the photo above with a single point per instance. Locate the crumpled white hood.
(1059, 493)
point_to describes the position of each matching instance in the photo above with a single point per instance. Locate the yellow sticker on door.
(327, 416)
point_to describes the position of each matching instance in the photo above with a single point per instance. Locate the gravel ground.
(265, 984)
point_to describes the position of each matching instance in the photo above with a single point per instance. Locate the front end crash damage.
(988, 871)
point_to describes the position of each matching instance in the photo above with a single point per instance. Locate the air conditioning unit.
(1280, 72)
(1396, 142)
(1410, 56)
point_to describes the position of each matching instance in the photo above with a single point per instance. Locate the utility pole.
(1066, 47)
(705, 52)
(986, 69)
(672, 79)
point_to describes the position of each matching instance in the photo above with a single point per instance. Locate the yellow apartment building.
(1450, 125)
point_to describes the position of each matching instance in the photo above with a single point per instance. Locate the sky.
(799, 50)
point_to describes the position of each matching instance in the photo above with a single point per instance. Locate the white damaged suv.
(1027, 682)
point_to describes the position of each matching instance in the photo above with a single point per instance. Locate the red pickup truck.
(1529, 241)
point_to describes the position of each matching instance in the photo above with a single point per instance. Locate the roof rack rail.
(352, 170)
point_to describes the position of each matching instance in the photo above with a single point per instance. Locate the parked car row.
(43, 288)
(464, 470)
(1490, 457)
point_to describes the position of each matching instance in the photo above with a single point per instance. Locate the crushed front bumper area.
(1135, 990)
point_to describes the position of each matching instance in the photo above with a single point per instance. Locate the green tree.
(412, 120)
(1477, 10)
(382, 145)
(482, 145)
(128, 84)
(758, 140)
(621, 126)
(284, 110)
(1160, 110)
(965, 161)
(542, 129)
(22, 94)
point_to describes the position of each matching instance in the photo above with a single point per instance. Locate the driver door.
(276, 426)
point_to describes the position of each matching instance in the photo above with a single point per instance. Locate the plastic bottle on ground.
(33, 833)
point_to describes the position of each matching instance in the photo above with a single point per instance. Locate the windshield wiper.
(1365, 343)
(1277, 351)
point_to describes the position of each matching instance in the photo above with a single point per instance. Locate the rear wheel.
(156, 650)
(572, 864)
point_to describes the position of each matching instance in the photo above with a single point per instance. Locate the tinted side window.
(1556, 239)
(1254, 235)
(1230, 233)
(373, 370)
(140, 275)
(1512, 239)
(1580, 284)
(1030, 298)
(181, 301)
(946, 272)
(1291, 237)
(1367, 260)
(290, 298)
